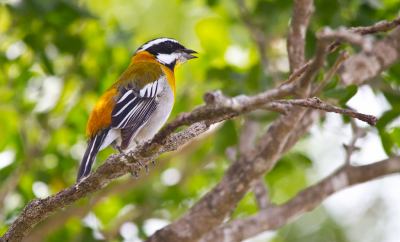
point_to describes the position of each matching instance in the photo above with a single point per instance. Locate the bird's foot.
(135, 174)
(147, 167)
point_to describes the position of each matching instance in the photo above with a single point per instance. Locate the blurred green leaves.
(288, 177)
(77, 49)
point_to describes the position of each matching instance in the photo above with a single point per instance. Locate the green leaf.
(387, 142)
(332, 84)
(320, 76)
(337, 93)
(386, 118)
(351, 91)
(393, 99)
(396, 136)
(226, 137)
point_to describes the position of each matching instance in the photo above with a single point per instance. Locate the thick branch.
(274, 217)
(366, 65)
(302, 11)
(318, 104)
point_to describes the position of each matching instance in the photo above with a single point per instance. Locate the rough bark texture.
(302, 11)
(360, 68)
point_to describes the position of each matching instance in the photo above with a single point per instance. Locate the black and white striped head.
(167, 51)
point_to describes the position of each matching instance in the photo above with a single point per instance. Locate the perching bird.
(135, 107)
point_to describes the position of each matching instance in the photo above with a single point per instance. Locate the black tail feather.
(90, 154)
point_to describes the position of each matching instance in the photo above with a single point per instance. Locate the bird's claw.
(135, 174)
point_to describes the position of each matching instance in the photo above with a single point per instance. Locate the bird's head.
(168, 52)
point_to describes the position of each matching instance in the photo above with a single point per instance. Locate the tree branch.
(316, 64)
(383, 26)
(351, 147)
(366, 65)
(274, 217)
(260, 192)
(318, 104)
(379, 27)
(302, 11)
(343, 55)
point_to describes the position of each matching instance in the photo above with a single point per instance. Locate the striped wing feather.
(132, 111)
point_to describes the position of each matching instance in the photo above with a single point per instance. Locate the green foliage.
(337, 93)
(351, 91)
(57, 57)
(288, 177)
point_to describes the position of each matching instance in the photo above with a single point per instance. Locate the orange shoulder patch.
(100, 117)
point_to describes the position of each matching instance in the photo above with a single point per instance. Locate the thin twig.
(316, 64)
(379, 27)
(261, 194)
(343, 55)
(351, 147)
(382, 26)
(318, 104)
(346, 36)
(296, 74)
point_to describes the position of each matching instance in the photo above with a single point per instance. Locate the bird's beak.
(187, 53)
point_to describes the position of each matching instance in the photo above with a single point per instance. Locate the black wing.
(132, 110)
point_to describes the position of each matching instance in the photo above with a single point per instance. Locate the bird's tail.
(90, 155)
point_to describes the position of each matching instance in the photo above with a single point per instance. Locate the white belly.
(156, 121)
(159, 117)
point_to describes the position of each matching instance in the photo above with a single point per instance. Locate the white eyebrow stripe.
(124, 96)
(155, 42)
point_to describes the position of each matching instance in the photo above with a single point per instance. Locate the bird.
(138, 104)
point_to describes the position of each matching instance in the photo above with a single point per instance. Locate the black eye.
(168, 45)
